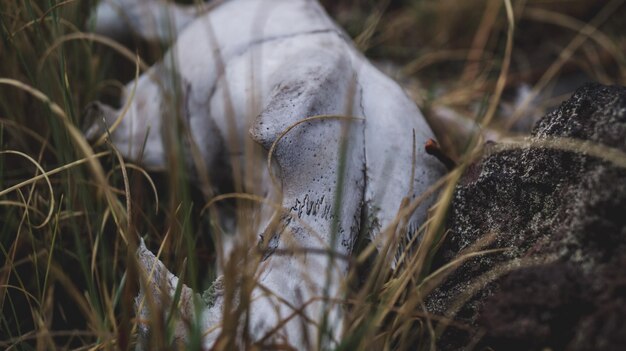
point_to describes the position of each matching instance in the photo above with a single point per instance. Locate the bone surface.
(152, 20)
(257, 71)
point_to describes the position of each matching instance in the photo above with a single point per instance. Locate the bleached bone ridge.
(253, 70)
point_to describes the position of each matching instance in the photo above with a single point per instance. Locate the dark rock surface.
(564, 209)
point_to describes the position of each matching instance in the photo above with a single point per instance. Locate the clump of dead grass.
(70, 228)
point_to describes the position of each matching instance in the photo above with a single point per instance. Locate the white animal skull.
(253, 68)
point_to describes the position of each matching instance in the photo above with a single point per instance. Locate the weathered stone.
(562, 209)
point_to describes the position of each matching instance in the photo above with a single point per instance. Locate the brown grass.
(72, 212)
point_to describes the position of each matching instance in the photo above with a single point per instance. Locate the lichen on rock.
(560, 207)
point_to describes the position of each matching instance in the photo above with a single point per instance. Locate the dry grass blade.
(243, 196)
(480, 39)
(431, 58)
(69, 280)
(77, 138)
(504, 70)
(608, 44)
(47, 179)
(44, 143)
(609, 154)
(362, 41)
(95, 38)
(129, 100)
(148, 179)
(435, 278)
(480, 282)
(52, 172)
(270, 153)
(128, 212)
(23, 205)
(566, 54)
